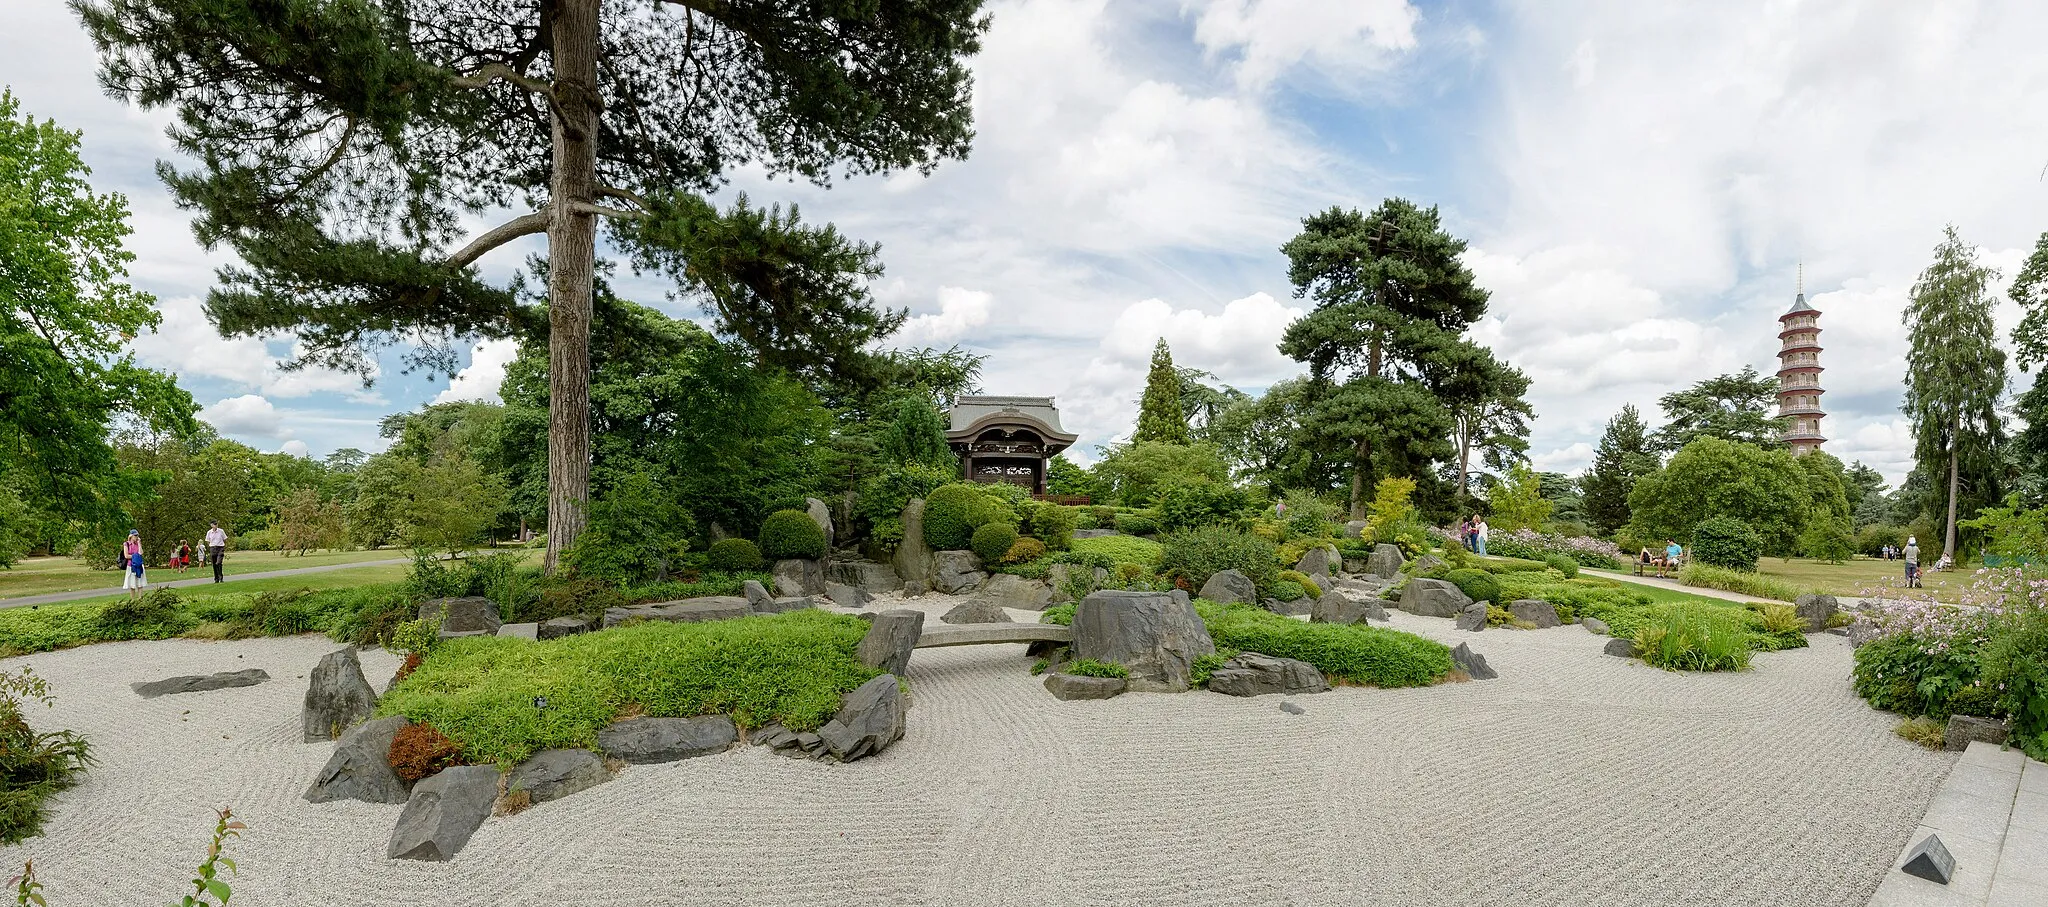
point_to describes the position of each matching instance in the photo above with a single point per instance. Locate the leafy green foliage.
(416, 637)
(1827, 542)
(2015, 664)
(33, 765)
(1727, 543)
(637, 532)
(1912, 675)
(1051, 524)
(1134, 473)
(1190, 505)
(1478, 585)
(883, 496)
(1518, 501)
(1695, 638)
(1955, 376)
(952, 513)
(1743, 582)
(1062, 615)
(1711, 477)
(1735, 408)
(1196, 554)
(1624, 456)
(1353, 653)
(1136, 524)
(1160, 418)
(992, 542)
(1023, 550)
(1562, 564)
(1288, 590)
(155, 615)
(791, 534)
(565, 596)
(733, 555)
(1110, 550)
(917, 436)
(1088, 667)
(789, 668)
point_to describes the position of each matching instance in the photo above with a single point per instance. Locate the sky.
(1639, 184)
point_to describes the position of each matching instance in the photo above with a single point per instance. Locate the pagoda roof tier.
(1802, 436)
(1799, 307)
(1796, 391)
(1795, 369)
(1808, 347)
(1803, 329)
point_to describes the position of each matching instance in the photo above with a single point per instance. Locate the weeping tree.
(1955, 374)
(362, 156)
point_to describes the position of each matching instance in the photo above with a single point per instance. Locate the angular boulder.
(869, 719)
(1433, 598)
(976, 611)
(1355, 529)
(1150, 633)
(1964, 728)
(755, 593)
(954, 572)
(1385, 562)
(360, 768)
(443, 812)
(913, 560)
(799, 576)
(1427, 563)
(554, 774)
(648, 740)
(786, 604)
(200, 683)
(1535, 611)
(1069, 687)
(1008, 591)
(558, 627)
(821, 515)
(889, 640)
(1252, 674)
(846, 596)
(520, 631)
(337, 696)
(1339, 608)
(1816, 609)
(1595, 626)
(1473, 618)
(1472, 663)
(684, 611)
(1620, 647)
(866, 576)
(1318, 562)
(467, 614)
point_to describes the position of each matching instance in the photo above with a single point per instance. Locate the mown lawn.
(40, 575)
(1862, 575)
(336, 579)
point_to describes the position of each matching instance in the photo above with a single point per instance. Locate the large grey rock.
(1385, 562)
(684, 611)
(1433, 598)
(1862, 631)
(1964, 728)
(799, 576)
(1252, 674)
(1355, 529)
(1535, 611)
(1473, 618)
(1069, 582)
(785, 604)
(1302, 605)
(337, 696)
(1426, 564)
(1620, 647)
(847, 596)
(558, 627)
(821, 515)
(647, 740)
(1595, 626)
(870, 718)
(954, 572)
(755, 593)
(1150, 633)
(976, 611)
(199, 683)
(360, 768)
(443, 812)
(913, 560)
(866, 576)
(554, 774)
(1816, 609)
(468, 614)
(1318, 562)
(1472, 663)
(520, 631)
(889, 640)
(1070, 687)
(1008, 591)
(1339, 608)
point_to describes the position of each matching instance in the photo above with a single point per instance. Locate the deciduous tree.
(1955, 374)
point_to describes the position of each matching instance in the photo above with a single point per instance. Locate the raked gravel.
(1575, 779)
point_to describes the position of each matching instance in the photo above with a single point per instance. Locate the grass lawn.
(1862, 574)
(338, 579)
(39, 575)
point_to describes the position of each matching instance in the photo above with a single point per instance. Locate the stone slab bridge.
(983, 634)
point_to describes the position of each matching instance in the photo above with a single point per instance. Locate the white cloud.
(186, 343)
(1343, 38)
(960, 312)
(480, 379)
(249, 415)
(295, 447)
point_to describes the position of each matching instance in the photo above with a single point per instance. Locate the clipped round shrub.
(1197, 554)
(1052, 524)
(1288, 590)
(1136, 524)
(791, 534)
(1726, 542)
(733, 556)
(953, 512)
(1308, 586)
(1023, 551)
(1478, 585)
(1562, 564)
(992, 542)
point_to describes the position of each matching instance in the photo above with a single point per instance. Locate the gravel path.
(1575, 779)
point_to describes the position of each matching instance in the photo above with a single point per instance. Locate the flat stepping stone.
(981, 634)
(199, 683)
(645, 741)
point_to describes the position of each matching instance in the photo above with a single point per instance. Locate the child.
(132, 578)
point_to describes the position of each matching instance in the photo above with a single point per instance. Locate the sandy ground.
(1575, 779)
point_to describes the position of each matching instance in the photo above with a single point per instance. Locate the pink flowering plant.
(1987, 656)
(1532, 545)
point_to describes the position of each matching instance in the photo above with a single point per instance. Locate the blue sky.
(1638, 182)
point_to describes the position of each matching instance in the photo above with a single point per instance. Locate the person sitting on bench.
(1673, 553)
(1645, 560)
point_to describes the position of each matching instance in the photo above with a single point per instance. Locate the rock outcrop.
(554, 774)
(1152, 634)
(1433, 598)
(649, 740)
(913, 560)
(890, 638)
(360, 768)
(443, 812)
(1252, 674)
(337, 696)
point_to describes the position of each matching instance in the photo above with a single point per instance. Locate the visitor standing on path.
(1479, 535)
(182, 558)
(216, 547)
(1912, 558)
(132, 577)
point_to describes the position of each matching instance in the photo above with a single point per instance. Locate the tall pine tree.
(1625, 455)
(918, 435)
(2030, 447)
(1955, 374)
(1160, 416)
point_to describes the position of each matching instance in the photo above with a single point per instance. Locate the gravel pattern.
(1574, 779)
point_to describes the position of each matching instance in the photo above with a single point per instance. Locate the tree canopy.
(1955, 375)
(1730, 407)
(1160, 416)
(1625, 455)
(1770, 491)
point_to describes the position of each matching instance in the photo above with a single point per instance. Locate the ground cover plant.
(1695, 638)
(1345, 653)
(1989, 660)
(481, 691)
(1121, 549)
(33, 765)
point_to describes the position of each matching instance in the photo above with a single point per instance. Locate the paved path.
(1992, 816)
(1675, 586)
(54, 597)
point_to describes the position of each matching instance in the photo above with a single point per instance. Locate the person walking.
(216, 548)
(1479, 535)
(183, 558)
(132, 577)
(1912, 559)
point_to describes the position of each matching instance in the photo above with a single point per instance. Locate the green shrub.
(1923, 730)
(1690, 637)
(1051, 524)
(1345, 653)
(1827, 542)
(565, 596)
(1023, 551)
(1188, 505)
(1513, 565)
(1203, 666)
(33, 766)
(1913, 676)
(2015, 661)
(1062, 615)
(1110, 550)
(953, 512)
(707, 584)
(1084, 517)
(882, 498)
(789, 668)
(992, 542)
(1136, 524)
(1287, 590)
(367, 614)
(1196, 554)
(1087, 667)
(734, 555)
(1736, 581)
(154, 615)
(1562, 564)
(1478, 585)
(791, 534)
(1781, 619)
(283, 613)
(1308, 585)
(1726, 542)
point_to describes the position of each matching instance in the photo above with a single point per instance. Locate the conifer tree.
(1955, 373)
(1625, 455)
(1160, 417)
(918, 435)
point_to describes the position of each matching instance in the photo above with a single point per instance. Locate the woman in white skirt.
(132, 577)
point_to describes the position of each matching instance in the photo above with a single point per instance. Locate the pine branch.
(494, 72)
(524, 225)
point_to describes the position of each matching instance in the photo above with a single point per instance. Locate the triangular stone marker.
(1930, 860)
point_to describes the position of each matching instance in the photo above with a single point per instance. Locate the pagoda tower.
(1799, 371)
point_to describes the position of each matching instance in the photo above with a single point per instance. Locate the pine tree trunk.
(1358, 468)
(1948, 545)
(572, 255)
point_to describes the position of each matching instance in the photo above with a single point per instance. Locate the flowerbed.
(1532, 545)
(1988, 658)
